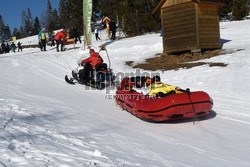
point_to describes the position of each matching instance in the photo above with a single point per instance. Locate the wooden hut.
(189, 25)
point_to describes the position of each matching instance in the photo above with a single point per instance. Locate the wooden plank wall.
(179, 27)
(208, 21)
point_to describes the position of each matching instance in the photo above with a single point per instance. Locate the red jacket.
(93, 59)
(61, 35)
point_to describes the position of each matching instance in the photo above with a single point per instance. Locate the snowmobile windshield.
(84, 56)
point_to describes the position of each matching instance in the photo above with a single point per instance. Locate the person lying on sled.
(140, 86)
(86, 75)
(159, 89)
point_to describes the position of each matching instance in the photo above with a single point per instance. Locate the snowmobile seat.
(101, 67)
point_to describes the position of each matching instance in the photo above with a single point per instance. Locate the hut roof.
(158, 7)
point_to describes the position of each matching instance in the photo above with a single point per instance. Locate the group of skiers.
(109, 25)
(59, 37)
(10, 47)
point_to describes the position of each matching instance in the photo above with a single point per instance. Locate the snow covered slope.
(46, 122)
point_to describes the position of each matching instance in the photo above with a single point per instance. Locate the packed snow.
(46, 122)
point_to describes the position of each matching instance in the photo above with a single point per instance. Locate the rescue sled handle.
(103, 47)
(186, 91)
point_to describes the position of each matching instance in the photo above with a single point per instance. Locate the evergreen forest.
(133, 17)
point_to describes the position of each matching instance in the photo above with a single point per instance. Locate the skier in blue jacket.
(42, 39)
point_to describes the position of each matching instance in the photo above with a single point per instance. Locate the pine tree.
(18, 35)
(15, 32)
(226, 8)
(36, 26)
(240, 9)
(6, 33)
(50, 21)
(75, 9)
(21, 31)
(134, 17)
(96, 6)
(235, 9)
(1, 27)
(56, 21)
(23, 23)
(63, 12)
(70, 14)
(27, 23)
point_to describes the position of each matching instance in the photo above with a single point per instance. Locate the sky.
(11, 10)
(46, 122)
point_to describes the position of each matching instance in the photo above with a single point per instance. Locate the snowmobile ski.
(70, 81)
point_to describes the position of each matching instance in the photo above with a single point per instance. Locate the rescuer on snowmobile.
(90, 63)
(92, 71)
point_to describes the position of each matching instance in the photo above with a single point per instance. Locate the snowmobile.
(101, 77)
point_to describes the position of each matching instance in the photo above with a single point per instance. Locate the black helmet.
(156, 78)
(138, 78)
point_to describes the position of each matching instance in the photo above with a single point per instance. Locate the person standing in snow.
(13, 47)
(60, 39)
(52, 39)
(96, 33)
(42, 39)
(7, 49)
(3, 47)
(76, 34)
(106, 20)
(19, 46)
(113, 28)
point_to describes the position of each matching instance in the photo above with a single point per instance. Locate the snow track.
(47, 122)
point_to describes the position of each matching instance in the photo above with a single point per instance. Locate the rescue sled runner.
(172, 107)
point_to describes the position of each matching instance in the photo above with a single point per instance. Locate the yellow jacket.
(160, 87)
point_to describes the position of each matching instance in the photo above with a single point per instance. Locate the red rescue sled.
(173, 107)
